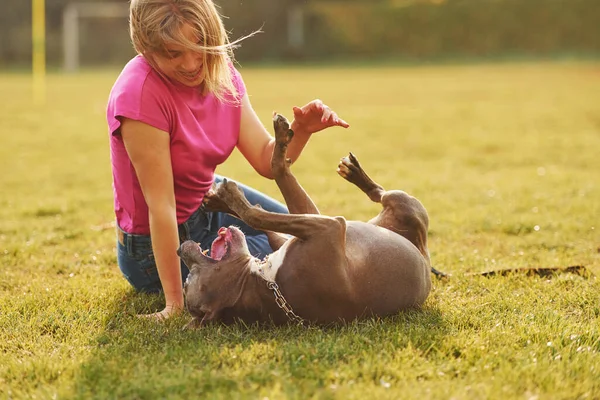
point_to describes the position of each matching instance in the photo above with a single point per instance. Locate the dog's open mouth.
(219, 248)
(220, 245)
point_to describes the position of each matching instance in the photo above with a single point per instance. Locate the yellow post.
(39, 51)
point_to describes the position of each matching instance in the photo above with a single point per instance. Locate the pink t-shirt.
(203, 131)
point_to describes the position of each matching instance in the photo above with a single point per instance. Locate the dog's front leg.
(302, 226)
(296, 198)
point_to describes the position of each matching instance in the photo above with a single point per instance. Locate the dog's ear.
(226, 285)
(195, 323)
(210, 317)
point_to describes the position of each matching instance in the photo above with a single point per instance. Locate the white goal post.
(75, 11)
(71, 16)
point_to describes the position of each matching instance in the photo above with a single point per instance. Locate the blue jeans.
(136, 259)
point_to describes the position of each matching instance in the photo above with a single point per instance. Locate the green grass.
(505, 158)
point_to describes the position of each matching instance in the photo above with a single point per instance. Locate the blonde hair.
(154, 23)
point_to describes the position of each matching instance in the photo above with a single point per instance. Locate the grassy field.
(506, 159)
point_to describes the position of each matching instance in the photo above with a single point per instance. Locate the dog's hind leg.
(410, 219)
(401, 213)
(296, 198)
(349, 168)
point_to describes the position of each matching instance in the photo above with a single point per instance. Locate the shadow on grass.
(137, 358)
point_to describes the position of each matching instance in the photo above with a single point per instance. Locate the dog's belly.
(387, 272)
(381, 274)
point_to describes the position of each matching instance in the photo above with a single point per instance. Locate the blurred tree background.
(405, 30)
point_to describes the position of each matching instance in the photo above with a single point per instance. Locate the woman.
(177, 110)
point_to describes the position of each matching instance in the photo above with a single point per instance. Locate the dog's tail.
(439, 274)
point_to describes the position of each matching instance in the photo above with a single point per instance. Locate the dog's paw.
(283, 133)
(228, 191)
(348, 166)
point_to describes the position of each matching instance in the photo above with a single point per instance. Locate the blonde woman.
(176, 111)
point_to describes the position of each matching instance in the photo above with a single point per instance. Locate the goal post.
(38, 62)
(296, 25)
(74, 12)
(71, 17)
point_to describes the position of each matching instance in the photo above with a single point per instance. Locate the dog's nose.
(179, 251)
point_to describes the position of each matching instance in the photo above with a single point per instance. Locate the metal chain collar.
(283, 304)
(280, 300)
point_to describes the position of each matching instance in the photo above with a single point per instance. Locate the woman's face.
(182, 64)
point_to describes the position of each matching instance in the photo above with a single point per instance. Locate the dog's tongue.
(219, 245)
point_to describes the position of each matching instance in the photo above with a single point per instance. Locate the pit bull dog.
(324, 269)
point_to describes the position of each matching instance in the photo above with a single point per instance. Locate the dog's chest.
(273, 262)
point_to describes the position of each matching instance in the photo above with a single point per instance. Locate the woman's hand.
(314, 117)
(169, 311)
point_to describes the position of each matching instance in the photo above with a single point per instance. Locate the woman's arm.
(149, 151)
(256, 144)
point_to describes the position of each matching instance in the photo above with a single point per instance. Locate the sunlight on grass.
(505, 159)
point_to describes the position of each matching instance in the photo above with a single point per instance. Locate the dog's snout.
(179, 251)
